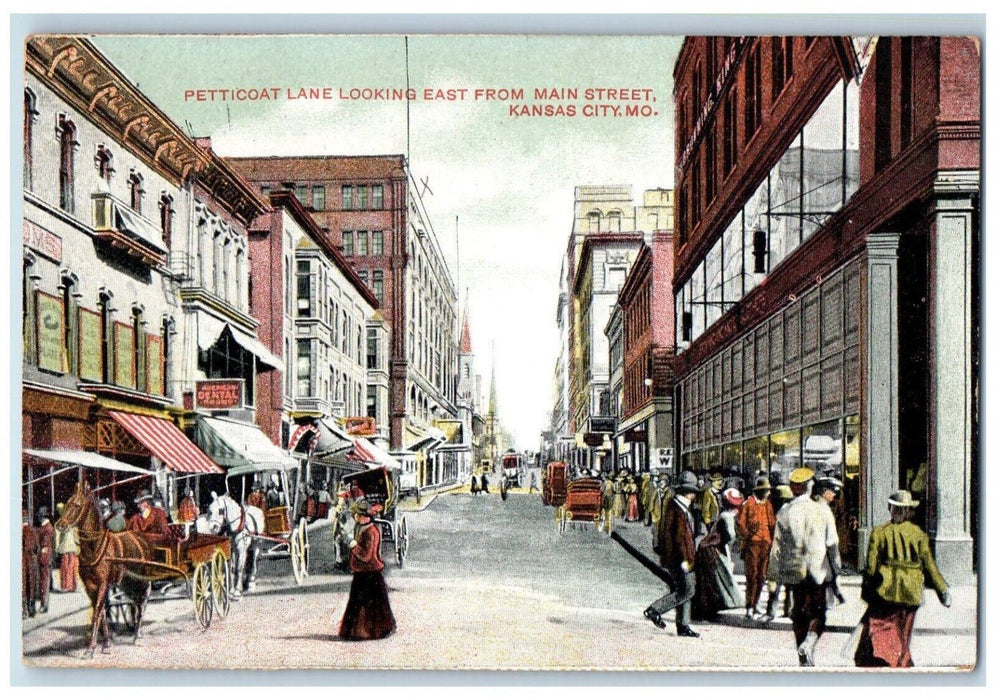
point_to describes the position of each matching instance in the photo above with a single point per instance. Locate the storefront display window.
(786, 453)
(822, 447)
(756, 457)
(713, 460)
(733, 456)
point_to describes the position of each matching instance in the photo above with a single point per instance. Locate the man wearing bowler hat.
(677, 544)
(756, 528)
(805, 557)
(899, 563)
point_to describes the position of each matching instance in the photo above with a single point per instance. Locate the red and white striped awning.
(360, 453)
(165, 441)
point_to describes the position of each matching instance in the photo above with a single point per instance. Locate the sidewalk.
(933, 618)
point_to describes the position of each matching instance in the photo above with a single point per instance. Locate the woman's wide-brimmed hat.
(903, 499)
(733, 497)
(687, 483)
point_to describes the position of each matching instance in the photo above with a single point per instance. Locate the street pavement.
(488, 584)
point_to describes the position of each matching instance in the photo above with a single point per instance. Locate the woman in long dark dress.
(715, 588)
(368, 613)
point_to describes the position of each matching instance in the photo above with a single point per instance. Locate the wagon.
(554, 489)
(380, 486)
(583, 503)
(195, 566)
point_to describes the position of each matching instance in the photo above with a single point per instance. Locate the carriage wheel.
(306, 548)
(296, 556)
(221, 583)
(203, 607)
(401, 546)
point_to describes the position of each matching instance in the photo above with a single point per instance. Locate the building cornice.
(77, 72)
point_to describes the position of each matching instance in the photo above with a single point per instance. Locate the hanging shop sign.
(124, 355)
(91, 358)
(154, 364)
(218, 394)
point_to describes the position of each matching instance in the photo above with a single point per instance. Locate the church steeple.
(465, 348)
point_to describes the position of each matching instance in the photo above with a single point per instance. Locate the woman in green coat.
(899, 564)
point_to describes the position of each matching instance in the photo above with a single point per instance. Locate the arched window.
(28, 282)
(594, 221)
(138, 347)
(166, 218)
(168, 331)
(30, 114)
(106, 339)
(70, 316)
(67, 164)
(136, 191)
(104, 161)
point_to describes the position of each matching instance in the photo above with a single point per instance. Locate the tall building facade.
(370, 209)
(315, 313)
(645, 432)
(135, 275)
(825, 275)
(606, 234)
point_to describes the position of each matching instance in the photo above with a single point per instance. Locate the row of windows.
(705, 163)
(103, 160)
(814, 178)
(375, 281)
(334, 385)
(362, 243)
(353, 196)
(62, 336)
(314, 299)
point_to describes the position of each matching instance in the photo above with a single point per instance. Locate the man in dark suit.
(677, 547)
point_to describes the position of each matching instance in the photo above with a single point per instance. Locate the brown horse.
(101, 552)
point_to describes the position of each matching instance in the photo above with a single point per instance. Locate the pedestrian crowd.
(787, 538)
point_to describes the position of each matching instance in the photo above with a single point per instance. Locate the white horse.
(226, 517)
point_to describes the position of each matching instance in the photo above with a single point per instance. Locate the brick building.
(369, 208)
(826, 260)
(646, 310)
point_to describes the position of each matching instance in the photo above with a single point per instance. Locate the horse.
(242, 524)
(101, 565)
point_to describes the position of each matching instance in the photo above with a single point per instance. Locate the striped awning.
(360, 453)
(165, 441)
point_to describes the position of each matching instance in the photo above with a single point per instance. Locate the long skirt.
(618, 505)
(68, 570)
(885, 637)
(716, 590)
(368, 613)
(632, 508)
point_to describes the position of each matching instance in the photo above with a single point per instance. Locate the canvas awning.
(90, 460)
(137, 227)
(433, 438)
(209, 330)
(165, 441)
(240, 445)
(329, 439)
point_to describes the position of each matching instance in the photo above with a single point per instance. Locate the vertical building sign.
(124, 355)
(51, 333)
(91, 358)
(154, 364)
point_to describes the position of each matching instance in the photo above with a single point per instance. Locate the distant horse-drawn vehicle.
(554, 487)
(583, 503)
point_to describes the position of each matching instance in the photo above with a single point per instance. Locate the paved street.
(488, 584)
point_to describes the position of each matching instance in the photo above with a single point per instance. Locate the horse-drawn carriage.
(554, 487)
(119, 569)
(583, 503)
(377, 486)
(269, 531)
(191, 565)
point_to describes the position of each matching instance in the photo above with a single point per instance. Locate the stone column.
(880, 419)
(952, 255)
